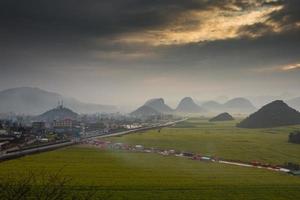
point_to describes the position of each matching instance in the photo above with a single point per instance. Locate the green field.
(222, 139)
(128, 175)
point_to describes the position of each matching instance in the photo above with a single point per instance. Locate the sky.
(124, 52)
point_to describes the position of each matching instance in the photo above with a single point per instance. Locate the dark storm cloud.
(67, 29)
(92, 17)
(290, 13)
(43, 33)
(76, 45)
(256, 29)
(239, 52)
(286, 19)
(58, 18)
(35, 31)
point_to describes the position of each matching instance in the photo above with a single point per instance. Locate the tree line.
(44, 186)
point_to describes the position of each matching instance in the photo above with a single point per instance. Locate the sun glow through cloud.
(285, 68)
(291, 67)
(199, 26)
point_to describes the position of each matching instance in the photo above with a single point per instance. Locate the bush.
(42, 186)
(292, 166)
(294, 137)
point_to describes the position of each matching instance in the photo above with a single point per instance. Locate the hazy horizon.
(257, 101)
(125, 52)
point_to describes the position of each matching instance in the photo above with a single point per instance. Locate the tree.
(294, 137)
(41, 186)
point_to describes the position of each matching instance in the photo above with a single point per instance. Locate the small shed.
(139, 147)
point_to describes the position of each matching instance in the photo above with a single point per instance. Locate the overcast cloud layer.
(125, 51)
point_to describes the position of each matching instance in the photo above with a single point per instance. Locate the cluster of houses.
(11, 133)
(18, 131)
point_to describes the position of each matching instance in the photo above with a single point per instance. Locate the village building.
(67, 127)
(38, 128)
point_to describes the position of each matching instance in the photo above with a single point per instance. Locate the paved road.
(25, 152)
(139, 129)
(21, 153)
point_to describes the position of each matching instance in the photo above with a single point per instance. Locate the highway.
(136, 130)
(25, 152)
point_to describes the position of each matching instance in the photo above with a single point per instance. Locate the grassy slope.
(148, 176)
(222, 139)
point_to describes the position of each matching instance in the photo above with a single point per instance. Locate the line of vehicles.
(59, 144)
(104, 144)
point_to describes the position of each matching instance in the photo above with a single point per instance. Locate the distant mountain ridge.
(235, 105)
(187, 105)
(276, 113)
(239, 105)
(34, 101)
(145, 111)
(159, 105)
(154, 106)
(58, 113)
(212, 106)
